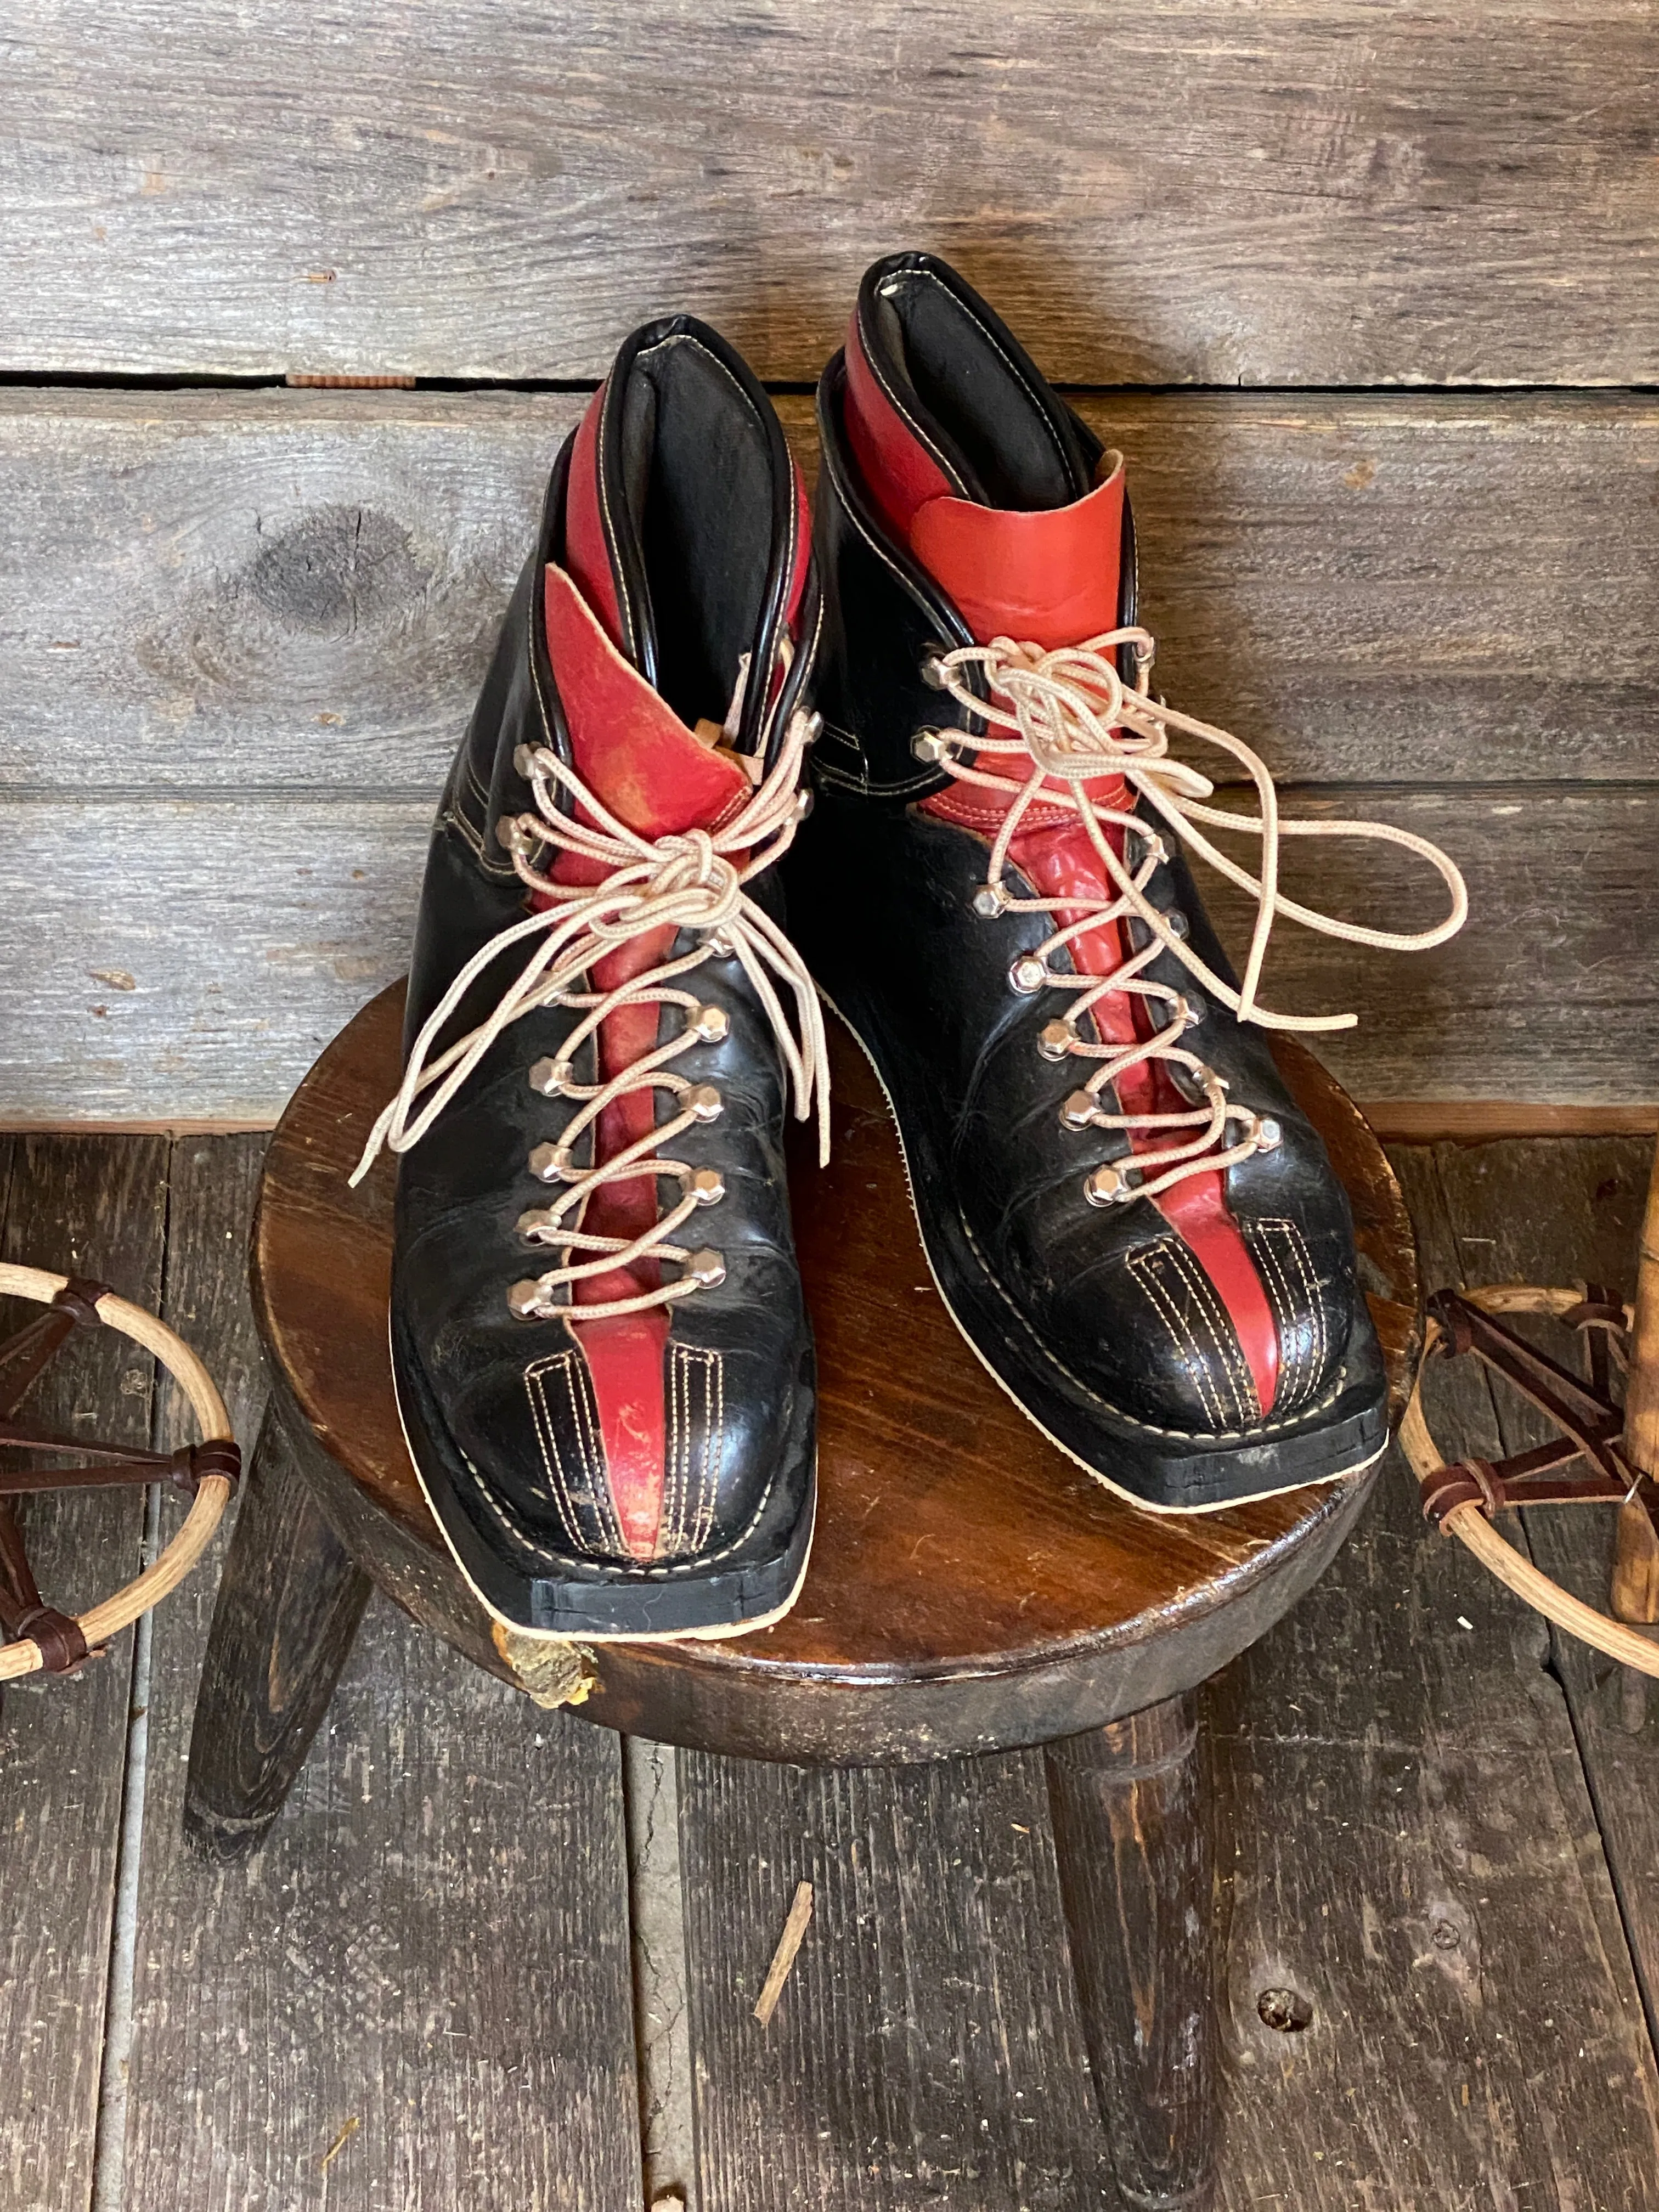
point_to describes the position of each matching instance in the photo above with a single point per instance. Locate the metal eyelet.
(1269, 1136)
(933, 672)
(511, 836)
(1056, 1040)
(1108, 1186)
(1078, 1111)
(988, 902)
(719, 944)
(1027, 975)
(707, 1186)
(702, 1101)
(523, 761)
(552, 1163)
(1176, 923)
(550, 1077)
(1195, 1008)
(707, 1268)
(710, 1025)
(534, 1219)
(929, 747)
(805, 802)
(525, 1301)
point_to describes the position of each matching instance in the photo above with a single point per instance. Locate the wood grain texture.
(1416, 1868)
(87, 1205)
(433, 1942)
(298, 590)
(1563, 1213)
(290, 1599)
(188, 958)
(927, 2048)
(1134, 1844)
(970, 1588)
(1280, 194)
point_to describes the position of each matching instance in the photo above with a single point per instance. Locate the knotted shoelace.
(692, 880)
(1073, 720)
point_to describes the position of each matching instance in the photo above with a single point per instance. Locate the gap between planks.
(1396, 1121)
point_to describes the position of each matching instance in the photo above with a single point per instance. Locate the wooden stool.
(970, 1589)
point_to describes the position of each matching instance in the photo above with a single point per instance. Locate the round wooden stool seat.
(970, 1587)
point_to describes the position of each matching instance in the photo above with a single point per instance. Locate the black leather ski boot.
(1132, 1222)
(601, 1354)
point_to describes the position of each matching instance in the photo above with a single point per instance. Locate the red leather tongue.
(1049, 577)
(627, 743)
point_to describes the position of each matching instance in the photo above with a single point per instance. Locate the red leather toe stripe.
(624, 1356)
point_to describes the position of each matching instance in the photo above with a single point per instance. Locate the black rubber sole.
(1160, 1469)
(594, 1603)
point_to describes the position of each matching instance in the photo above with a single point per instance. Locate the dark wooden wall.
(239, 627)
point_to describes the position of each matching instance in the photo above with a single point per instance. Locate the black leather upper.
(1108, 1300)
(502, 1412)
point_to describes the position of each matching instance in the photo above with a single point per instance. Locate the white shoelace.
(1072, 716)
(690, 881)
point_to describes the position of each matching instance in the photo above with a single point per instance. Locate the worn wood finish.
(188, 958)
(970, 1587)
(1428, 1998)
(1279, 197)
(1135, 1852)
(928, 2050)
(252, 626)
(80, 1204)
(299, 590)
(1568, 1213)
(289, 1602)
(409, 1951)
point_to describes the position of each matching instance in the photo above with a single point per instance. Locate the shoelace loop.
(691, 880)
(1070, 714)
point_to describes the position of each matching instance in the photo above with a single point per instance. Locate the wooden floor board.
(425, 1971)
(1415, 1855)
(95, 1206)
(1563, 1213)
(926, 2050)
(1409, 1847)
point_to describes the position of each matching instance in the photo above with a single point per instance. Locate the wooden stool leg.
(288, 1609)
(1133, 1835)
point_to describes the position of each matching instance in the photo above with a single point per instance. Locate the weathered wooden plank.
(300, 589)
(432, 1945)
(1276, 195)
(93, 1206)
(176, 958)
(1569, 1212)
(1429, 1996)
(926, 2049)
(198, 949)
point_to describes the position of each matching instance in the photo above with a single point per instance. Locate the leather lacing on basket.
(690, 881)
(1071, 717)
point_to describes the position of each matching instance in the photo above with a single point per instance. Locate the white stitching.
(1152, 1428)
(1142, 1268)
(1222, 1333)
(1263, 1239)
(541, 1415)
(1009, 362)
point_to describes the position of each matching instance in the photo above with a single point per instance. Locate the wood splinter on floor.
(795, 1928)
(339, 2143)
